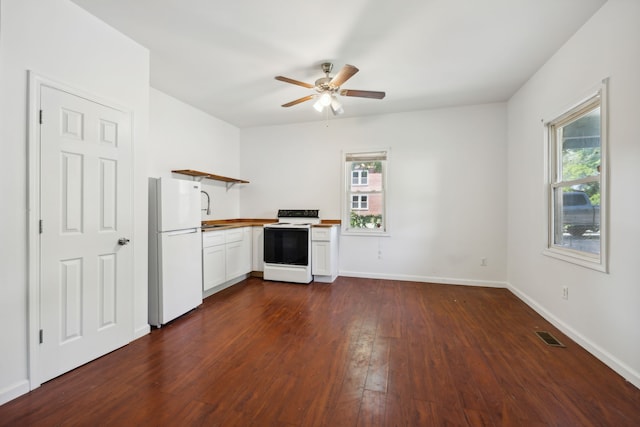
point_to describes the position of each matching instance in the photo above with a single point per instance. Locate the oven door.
(283, 245)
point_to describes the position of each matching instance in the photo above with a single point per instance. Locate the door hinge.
(41, 336)
(40, 118)
(40, 227)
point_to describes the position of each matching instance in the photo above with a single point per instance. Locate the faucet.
(208, 209)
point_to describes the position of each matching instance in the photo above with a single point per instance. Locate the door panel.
(86, 288)
(181, 276)
(108, 199)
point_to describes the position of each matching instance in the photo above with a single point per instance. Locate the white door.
(86, 286)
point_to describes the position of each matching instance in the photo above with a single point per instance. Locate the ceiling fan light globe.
(318, 105)
(325, 99)
(336, 107)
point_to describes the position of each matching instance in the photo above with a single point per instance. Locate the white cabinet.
(213, 259)
(226, 255)
(321, 254)
(238, 252)
(258, 249)
(324, 253)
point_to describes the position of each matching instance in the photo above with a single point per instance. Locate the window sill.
(346, 232)
(577, 258)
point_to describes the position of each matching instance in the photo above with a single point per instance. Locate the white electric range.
(287, 246)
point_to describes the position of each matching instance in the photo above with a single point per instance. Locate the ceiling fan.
(327, 88)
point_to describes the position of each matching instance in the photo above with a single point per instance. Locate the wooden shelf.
(198, 174)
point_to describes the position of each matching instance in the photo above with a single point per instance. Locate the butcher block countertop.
(223, 224)
(327, 223)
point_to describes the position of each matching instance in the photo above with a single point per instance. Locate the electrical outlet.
(483, 262)
(565, 292)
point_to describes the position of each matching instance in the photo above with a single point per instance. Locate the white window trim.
(346, 200)
(593, 261)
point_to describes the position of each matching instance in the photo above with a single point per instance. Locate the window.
(576, 184)
(364, 192)
(359, 202)
(359, 177)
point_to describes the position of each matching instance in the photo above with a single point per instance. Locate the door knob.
(123, 241)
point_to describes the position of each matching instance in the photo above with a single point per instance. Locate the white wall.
(447, 204)
(58, 40)
(603, 310)
(183, 137)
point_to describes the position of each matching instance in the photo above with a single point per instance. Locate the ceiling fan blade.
(363, 93)
(298, 101)
(294, 82)
(343, 75)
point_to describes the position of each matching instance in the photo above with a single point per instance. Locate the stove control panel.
(298, 213)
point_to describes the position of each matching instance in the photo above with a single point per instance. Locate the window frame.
(347, 178)
(596, 99)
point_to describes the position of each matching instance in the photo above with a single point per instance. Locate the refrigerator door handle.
(178, 232)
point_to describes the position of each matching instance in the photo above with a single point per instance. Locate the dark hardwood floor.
(357, 352)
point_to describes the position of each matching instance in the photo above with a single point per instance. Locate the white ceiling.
(221, 56)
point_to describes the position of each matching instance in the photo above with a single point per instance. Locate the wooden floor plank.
(357, 352)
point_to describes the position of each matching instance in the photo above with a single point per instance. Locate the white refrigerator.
(175, 245)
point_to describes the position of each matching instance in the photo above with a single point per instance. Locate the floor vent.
(549, 339)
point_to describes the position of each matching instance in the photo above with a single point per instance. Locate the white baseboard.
(605, 357)
(141, 331)
(13, 391)
(426, 279)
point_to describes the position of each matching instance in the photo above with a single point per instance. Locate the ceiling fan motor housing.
(322, 85)
(327, 67)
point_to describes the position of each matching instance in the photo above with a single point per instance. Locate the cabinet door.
(321, 258)
(213, 266)
(239, 254)
(234, 259)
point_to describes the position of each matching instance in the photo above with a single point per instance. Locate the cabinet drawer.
(234, 235)
(212, 238)
(321, 233)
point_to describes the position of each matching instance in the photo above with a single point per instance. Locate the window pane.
(365, 188)
(577, 181)
(576, 220)
(581, 146)
(366, 174)
(367, 211)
